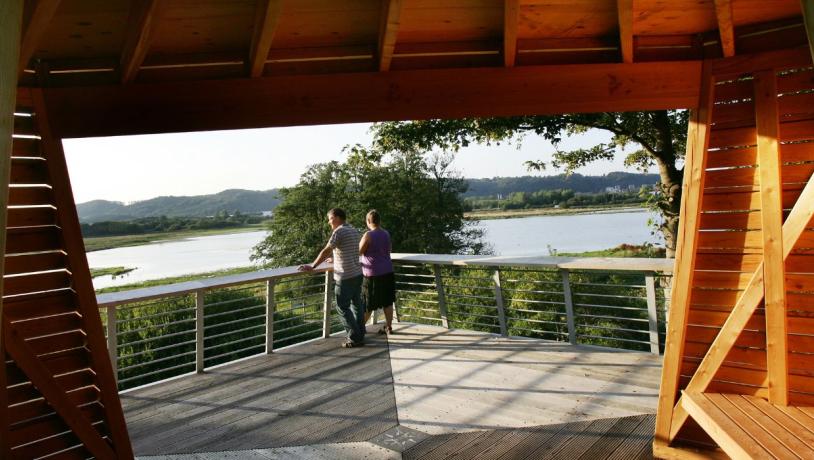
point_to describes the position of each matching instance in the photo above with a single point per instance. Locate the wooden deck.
(428, 393)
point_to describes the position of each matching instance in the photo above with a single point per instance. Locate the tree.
(419, 198)
(660, 135)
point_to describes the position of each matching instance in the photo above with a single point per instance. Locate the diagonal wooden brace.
(25, 358)
(801, 214)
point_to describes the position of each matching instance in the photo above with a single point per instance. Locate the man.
(344, 244)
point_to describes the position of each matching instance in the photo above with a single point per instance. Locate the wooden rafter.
(266, 19)
(138, 36)
(41, 16)
(726, 28)
(511, 16)
(692, 188)
(363, 97)
(625, 12)
(794, 226)
(768, 147)
(388, 32)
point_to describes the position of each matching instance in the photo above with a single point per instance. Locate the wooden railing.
(165, 331)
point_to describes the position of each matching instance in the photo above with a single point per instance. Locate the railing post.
(569, 307)
(271, 306)
(652, 312)
(326, 309)
(501, 310)
(442, 298)
(113, 340)
(199, 331)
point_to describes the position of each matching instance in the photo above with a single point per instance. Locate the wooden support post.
(271, 307)
(113, 340)
(442, 297)
(199, 331)
(569, 307)
(652, 312)
(501, 309)
(808, 19)
(11, 24)
(774, 280)
(326, 308)
(692, 187)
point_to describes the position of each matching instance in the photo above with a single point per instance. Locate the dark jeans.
(349, 291)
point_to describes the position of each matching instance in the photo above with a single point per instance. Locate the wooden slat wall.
(732, 247)
(59, 378)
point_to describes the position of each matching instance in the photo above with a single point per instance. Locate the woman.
(378, 286)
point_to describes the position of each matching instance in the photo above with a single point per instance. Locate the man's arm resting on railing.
(323, 255)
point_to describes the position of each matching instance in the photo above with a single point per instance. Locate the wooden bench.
(750, 427)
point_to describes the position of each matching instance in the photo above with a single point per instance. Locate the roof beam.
(511, 16)
(140, 27)
(625, 12)
(265, 25)
(364, 97)
(726, 28)
(41, 16)
(388, 32)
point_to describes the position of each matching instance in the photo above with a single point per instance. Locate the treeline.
(576, 182)
(556, 198)
(222, 219)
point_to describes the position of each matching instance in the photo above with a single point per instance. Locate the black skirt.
(379, 291)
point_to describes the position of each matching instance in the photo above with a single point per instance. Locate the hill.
(245, 201)
(576, 182)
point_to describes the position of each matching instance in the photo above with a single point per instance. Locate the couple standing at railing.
(357, 296)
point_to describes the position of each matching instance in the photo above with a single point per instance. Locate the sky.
(135, 168)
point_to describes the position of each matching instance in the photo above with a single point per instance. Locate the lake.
(520, 236)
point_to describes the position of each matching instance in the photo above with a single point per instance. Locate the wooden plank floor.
(461, 393)
(312, 394)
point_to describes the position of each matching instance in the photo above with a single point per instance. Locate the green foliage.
(659, 135)
(419, 200)
(550, 198)
(574, 181)
(168, 224)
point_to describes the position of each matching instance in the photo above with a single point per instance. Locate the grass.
(113, 271)
(486, 214)
(623, 250)
(100, 243)
(179, 279)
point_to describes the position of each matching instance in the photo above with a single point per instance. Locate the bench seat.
(750, 427)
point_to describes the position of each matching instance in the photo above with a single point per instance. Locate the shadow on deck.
(428, 392)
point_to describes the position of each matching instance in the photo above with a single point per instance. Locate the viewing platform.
(423, 392)
(492, 357)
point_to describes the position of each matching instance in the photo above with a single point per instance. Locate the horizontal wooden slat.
(24, 125)
(48, 324)
(57, 343)
(797, 152)
(713, 297)
(733, 115)
(39, 407)
(66, 445)
(742, 201)
(722, 280)
(749, 177)
(730, 262)
(806, 240)
(730, 221)
(30, 196)
(795, 81)
(800, 263)
(746, 156)
(33, 239)
(40, 305)
(796, 107)
(706, 334)
(797, 301)
(35, 262)
(730, 239)
(717, 318)
(26, 147)
(734, 90)
(29, 217)
(28, 171)
(25, 391)
(36, 282)
(48, 426)
(797, 131)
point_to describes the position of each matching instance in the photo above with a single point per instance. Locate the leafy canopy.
(418, 197)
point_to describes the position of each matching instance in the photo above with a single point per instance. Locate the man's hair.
(374, 216)
(338, 212)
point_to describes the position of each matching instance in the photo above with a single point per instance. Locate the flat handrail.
(629, 264)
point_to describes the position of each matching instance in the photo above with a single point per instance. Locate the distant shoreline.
(518, 213)
(101, 243)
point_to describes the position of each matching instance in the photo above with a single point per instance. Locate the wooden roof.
(368, 60)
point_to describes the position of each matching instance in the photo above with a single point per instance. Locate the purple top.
(376, 259)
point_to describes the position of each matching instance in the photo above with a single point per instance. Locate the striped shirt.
(345, 244)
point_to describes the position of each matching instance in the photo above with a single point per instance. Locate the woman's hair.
(374, 216)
